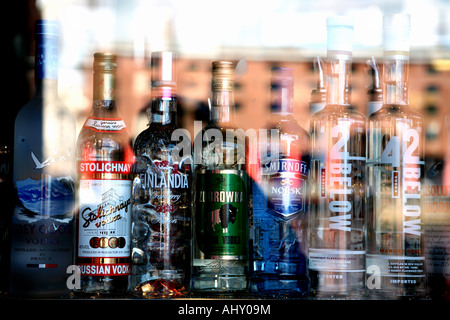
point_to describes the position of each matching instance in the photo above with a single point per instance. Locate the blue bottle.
(43, 176)
(280, 206)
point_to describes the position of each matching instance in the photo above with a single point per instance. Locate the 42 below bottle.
(338, 162)
(395, 162)
(105, 158)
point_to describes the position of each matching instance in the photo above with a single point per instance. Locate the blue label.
(284, 182)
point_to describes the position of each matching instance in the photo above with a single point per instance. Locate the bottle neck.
(46, 66)
(104, 105)
(282, 97)
(395, 82)
(339, 71)
(163, 108)
(222, 106)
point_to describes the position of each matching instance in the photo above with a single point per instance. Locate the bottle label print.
(105, 124)
(285, 187)
(104, 226)
(222, 219)
(399, 257)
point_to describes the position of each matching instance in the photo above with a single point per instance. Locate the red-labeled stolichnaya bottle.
(105, 157)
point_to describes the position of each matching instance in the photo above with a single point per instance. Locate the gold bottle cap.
(105, 64)
(105, 61)
(223, 75)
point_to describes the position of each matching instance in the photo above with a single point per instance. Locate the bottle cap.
(163, 68)
(223, 75)
(105, 61)
(46, 28)
(396, 31)
(340, 33)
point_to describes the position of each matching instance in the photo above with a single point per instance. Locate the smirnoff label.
(104, 225)
(285, 187)
(221, 213)
(105, 124)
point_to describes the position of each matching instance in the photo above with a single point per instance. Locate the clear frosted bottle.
(280, 203)
(395, 259)
(221, 195)
(162, 189)
(337, 218)
(44, 173)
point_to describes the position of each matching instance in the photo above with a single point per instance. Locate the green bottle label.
(222, 213)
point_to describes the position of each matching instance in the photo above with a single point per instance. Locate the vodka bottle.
(161, 229)
(337, 219)
(280, 205)
(221, 195)
(395, 259)
(104, 157)
(44, 173)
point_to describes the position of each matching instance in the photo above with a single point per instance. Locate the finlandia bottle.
(280, 204)
(105, 158)
(337, 219)
(162, 186)
(221, 222)
(395, 259)
(44, 173)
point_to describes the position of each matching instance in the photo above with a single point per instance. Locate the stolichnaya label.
(221, 213)
(284, 181)
(104, 224)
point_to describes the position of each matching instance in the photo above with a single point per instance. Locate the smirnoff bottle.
(161, 229)
(337, 221)
(44, 173)
(395, 259)
(280, 206)
(104, 164)
(221, 222)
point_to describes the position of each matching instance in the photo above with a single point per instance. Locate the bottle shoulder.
(395, 111)
(336, 112)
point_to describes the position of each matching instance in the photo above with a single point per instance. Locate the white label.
(105, 124)
(330, 260)
(104, 218)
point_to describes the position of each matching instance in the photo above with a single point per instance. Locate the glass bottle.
(395, 259)
(280, 205)
(162, 185)
(337, 218)
(221, 194)
(44, 173)
(105, 158)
